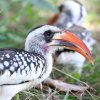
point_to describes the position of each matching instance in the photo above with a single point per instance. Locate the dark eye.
(48, 35)
(61, 8)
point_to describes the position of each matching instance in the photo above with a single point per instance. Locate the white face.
(37, 40)
(74, 8)
(65, 20)
(72, 12)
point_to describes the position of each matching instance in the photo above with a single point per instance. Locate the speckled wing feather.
(18, 65)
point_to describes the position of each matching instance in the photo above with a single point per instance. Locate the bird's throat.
(39, 49)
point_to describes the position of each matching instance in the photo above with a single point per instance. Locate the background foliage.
(17, 17)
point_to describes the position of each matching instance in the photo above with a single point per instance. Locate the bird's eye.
(48, 35)
(61, 8)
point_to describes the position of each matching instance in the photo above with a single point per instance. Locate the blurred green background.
(18, 17)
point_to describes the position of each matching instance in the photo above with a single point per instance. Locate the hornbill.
(70, 17)
(65, 56)
(24, 69)
(70, 12)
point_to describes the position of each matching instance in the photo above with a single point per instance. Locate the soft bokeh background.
(18, 17)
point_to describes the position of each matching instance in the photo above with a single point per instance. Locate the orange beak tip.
(92, 62)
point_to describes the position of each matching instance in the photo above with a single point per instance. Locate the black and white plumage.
(18, 61)
(21, 65)
(17, 67)
(71, 12)
(23, 69)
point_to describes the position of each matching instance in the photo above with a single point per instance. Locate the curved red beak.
(71, 41)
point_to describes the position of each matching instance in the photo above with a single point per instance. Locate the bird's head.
(48, 38)
(71, 12)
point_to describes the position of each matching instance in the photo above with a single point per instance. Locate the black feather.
(36, 28)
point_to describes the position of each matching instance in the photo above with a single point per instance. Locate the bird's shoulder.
(9, 50)
(13, 59)
(13, 51)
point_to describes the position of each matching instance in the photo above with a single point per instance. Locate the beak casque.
(71, 41)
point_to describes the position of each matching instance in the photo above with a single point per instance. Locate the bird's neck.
(45, 52)
(39, 49)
